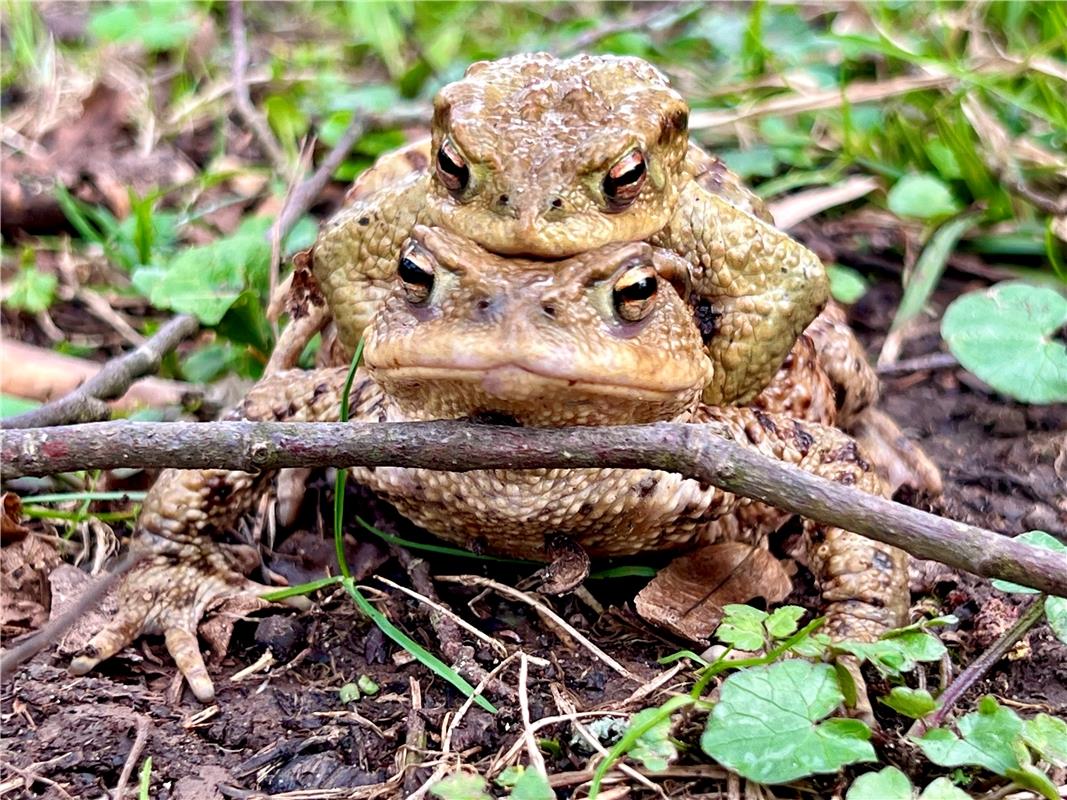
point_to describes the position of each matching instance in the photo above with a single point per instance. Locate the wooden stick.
(86, 403)
(701, 452)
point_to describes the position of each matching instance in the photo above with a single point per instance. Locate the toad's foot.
(187, 569)
(168, 593)
(898, 460)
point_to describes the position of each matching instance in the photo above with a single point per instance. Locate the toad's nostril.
(557, 202)
(503, 199)
(483, 305)
(549, 309)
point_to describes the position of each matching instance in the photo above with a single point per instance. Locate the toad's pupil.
(410, 272)
(634, 173)
(641, 289)
(456, 173)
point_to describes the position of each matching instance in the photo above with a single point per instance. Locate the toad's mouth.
(511, 381)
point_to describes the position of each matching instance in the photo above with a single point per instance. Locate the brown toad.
(548, 157)
(602, 337)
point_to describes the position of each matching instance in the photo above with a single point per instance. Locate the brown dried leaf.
(11, 527)
(24, 568)
(688, 595)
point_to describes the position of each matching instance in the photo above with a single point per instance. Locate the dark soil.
(285, 729)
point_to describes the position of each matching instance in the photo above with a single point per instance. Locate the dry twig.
(86, 403)
(242, 99)
(702, 452)
(131, 759)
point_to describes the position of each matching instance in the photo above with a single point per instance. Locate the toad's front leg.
(186, 567)
(863, 583)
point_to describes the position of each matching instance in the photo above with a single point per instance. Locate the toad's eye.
(416, 275)
(452, 169)
(623, 182)
(634, 293)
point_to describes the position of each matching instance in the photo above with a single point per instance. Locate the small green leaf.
(32, 291)
(987, 738)
(208, 280)
(887, 784)
(653, 748)
(898, 651)
(157, 26)
(532, 785)
(1056, 613)
(144, 783)
(766, 725)
(1006, 336)
(461, 785)
(349, 693)
(1047, 735)
(1030, 777)
(943, 789)
(922, 197)
(742, 626)
(914, 703)
(367, 685)
(846, 285)
(784, 621)
(510, 775)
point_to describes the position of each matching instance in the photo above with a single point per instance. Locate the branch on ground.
(700, 452)
(88, 403)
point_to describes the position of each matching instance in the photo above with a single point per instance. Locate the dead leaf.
(68, 584)
(11, 527)
(688, 595)
(24, 568)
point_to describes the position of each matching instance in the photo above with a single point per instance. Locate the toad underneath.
(604, 337)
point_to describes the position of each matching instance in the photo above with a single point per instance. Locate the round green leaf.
(914, 703)
(922, 197)
(846, 285)
(1047, 735)
(887, 784)
(1004, 335)
(766, 725)
(943, 789)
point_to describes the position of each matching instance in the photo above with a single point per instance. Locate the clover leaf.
(987, 737)
(766, 726)
(1005, 336)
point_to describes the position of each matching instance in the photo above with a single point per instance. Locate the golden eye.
(634, 294)
(623, 182)
(452, 169)
(415, 271)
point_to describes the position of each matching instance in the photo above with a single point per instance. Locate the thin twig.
(537, 761)
(131, 759)
(918, 364)
(445, 611)
(546, 613)
(242, 99)
(702, 452)
(86, 403)
(301, 198)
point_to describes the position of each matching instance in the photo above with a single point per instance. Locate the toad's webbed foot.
(186, 569)
(168, 593)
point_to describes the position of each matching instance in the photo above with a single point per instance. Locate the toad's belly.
(608, 512)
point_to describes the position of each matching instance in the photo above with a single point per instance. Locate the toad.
(545, 157)
(604, 337)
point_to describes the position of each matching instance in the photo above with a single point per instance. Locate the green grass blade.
(342, 474)
(70, 497)
(442, 549)
(425, 657)
(929, 267)
(301, 588)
